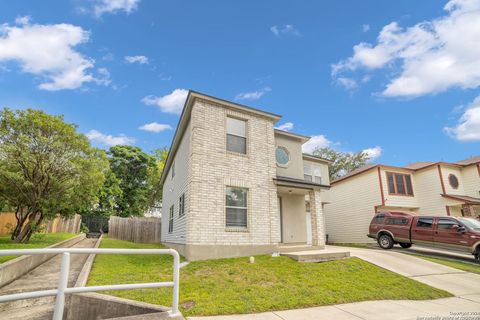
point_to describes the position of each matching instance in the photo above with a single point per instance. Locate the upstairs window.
(282, 156)
(312, 173)
(453, 181)
(236, 207)
(399, 184)
(236, 135)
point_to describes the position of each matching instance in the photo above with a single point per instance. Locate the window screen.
(236, 135)
(236, 207)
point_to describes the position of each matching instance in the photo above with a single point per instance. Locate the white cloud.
(255, 95)
(468, 126)
(48, 51)
(287, 126)
(365, 27)
(23, 20)
(427, 58)
(109, 140)
(316, 142)
(155, 127)
(136, 59)
(347, 83)
(164, 77)
(113, 6)
(373, 153)
(286, 29)
(171, 103)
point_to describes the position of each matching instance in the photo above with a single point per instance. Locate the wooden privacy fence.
(142, 230)
(59, 224)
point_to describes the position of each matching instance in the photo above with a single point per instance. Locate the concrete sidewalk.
(464, 285)
(373, 310)
(42, 277)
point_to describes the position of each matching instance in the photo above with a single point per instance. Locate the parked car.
(451, 233)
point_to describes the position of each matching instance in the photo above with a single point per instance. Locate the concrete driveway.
(455, 281)
(464, 285)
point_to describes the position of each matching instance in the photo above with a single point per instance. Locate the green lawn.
(36, 241)
(465, 266)
(230, 286)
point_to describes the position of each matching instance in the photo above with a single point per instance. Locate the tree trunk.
(24, 235)
(21, 219)
(30, 233)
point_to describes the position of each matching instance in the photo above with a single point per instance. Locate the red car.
(451, 233)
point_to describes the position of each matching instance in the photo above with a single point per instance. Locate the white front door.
(309, 227)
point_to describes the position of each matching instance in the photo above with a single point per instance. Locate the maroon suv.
(451, 233)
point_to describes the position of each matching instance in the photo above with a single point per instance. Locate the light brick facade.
(209, 169)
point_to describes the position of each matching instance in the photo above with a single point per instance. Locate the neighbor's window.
(236, 135)
(236, 207)
(282, 156)
(181, 205)
(312, 173)
(424, 222)
(399, 184)
(453, 180)
(170, 220)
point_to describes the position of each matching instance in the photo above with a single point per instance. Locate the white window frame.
(245, 121)
(234, 207)
(310, 175)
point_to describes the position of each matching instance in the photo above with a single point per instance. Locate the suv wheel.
(477, 255)
(405, 245)
(385, 241)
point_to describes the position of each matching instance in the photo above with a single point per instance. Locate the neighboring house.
(425, 188)
(154, 212)
(233, 185)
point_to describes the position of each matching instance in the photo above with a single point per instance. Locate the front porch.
(302, 223)
(462, 206)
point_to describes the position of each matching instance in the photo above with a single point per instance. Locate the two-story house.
(425, 188)
(233, 185)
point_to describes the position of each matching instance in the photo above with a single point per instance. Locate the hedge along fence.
(59, 224)
(141, 230)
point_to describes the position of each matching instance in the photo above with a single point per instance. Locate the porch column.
(318, 219)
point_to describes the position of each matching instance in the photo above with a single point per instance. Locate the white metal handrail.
(63, 288)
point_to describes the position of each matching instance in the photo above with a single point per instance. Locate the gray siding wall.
(173, 189)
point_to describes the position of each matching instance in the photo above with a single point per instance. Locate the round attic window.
(282, 156)
(453, 180)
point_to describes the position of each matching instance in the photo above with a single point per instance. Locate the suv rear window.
(397, 221)
(379, 218)
(424, 222)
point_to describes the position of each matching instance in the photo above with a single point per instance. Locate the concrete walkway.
(43, 277)
(464, 285)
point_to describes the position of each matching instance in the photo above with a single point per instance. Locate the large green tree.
(155, 192)
(132, 167)
(342, 162)
(46, 168)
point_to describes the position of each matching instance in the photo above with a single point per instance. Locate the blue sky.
(399, 78)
